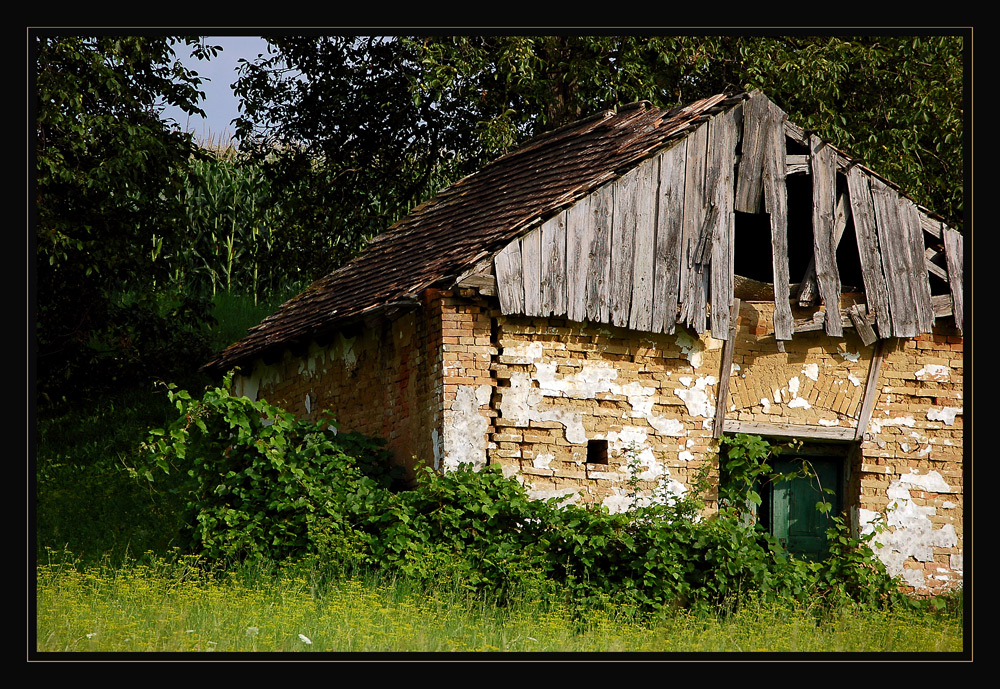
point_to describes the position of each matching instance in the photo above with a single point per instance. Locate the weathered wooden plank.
(788, 430)
(750, 178)
(871, 390)
(930, 255)
(725, 370)
(863, 212)
(509, 279)
(861, 324)
(776, 204)
(599, 276)
(824, 185)
(943, 305)
(895, 261)
(641, 311)
(919, 280)
(669, 217)
(953, 251)
(623, 246)
(579, 237)
(930, 225)
(722, 149)
(531, 270)
(808, 289)
(553, 277)
(693, 275)
(796, 165)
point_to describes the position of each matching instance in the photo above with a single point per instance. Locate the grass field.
(167, 606)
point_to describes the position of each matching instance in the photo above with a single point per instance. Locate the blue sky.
(220, 105)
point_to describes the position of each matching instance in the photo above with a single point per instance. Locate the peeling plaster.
(696, 398)
(932, 372)
(945, 414)
(850, 356)
(910, 533)
(690, 347)
(464, 439)
(811, 371)
(520, 401)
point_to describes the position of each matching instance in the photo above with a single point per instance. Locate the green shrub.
(264, 485)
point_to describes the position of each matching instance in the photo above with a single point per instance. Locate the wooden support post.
(727, 365)
(871, 389)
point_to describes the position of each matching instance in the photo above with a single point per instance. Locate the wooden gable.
(655, 247)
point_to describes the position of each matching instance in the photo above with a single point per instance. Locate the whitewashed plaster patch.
(542, 461)
(855, 381)
(766, 404)
(945, 414)
(910, 532)
(690, 347)
(696, 398)
(465, 428)
(800, 402)
(811, 371)
(850, 356)
(932, 372)
(829, 422)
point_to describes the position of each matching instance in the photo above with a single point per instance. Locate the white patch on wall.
(855, 381)
(800, 402)
(465, 428)
(945, 414)
(829, 422)
(811, 371)
(850, 356)
(308, 404)
(690, 347)
(696, 398)
(911, 534)
(247, 386)
(766, 404)
(932, 372)
(542, 461)
(521, 401)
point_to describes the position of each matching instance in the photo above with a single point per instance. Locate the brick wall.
(378, 381)
(458, 382)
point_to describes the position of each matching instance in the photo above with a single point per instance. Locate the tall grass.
(176, 605)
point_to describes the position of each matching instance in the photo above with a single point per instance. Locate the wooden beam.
(531, 267)
(789, 430)
(723, 135)
(866, 236)
(579, 237)
(871, 390)
(776, 204)
(623, 246)
(861, 324)
(644, 260)
(953, 252)
(807, 285)
(669, 215)
(693, 276)
(725, 370)
(895, 254)
(919, 281)
(601, 222)
(749, 181)
(824, 168)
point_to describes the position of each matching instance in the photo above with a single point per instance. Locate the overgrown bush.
(265, 485)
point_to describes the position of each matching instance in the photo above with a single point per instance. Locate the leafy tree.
(380, 124)
(107, 171)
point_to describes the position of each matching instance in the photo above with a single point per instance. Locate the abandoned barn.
(630, 288)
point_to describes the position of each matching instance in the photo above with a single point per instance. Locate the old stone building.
(616, 295)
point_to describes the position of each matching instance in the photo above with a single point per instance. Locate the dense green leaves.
(263, 485)
(382, 123)
(107, 173)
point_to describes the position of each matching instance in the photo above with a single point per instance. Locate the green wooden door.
(795, 521)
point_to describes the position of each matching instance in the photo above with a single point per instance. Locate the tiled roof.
(475, 218)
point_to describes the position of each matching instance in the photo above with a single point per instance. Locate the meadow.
(177, 605)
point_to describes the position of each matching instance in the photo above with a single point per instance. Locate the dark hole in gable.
(752, 241)
(597, 452)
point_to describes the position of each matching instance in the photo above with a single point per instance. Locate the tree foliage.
(107, 175)
(382, 123)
